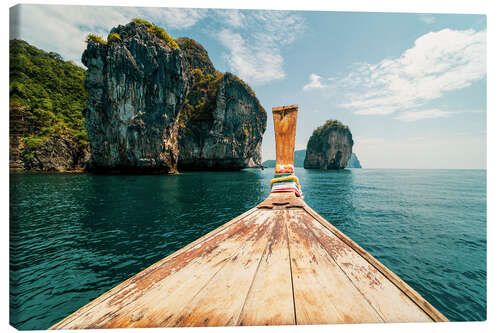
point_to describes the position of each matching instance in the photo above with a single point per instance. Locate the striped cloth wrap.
(285, 180)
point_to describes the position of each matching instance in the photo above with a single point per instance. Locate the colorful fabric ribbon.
(285, 180)
(284, 168)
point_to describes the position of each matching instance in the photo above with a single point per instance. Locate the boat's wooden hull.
(280, 263)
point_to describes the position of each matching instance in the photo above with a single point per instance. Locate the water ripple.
(73, 237)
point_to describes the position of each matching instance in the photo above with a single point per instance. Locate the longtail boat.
(280, 263)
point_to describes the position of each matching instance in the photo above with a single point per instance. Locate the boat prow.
(279, 263)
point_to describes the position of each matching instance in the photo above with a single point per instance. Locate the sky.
(411, 87)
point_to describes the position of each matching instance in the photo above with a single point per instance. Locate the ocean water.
(74, 236)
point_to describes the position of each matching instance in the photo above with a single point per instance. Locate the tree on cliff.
(47, 97)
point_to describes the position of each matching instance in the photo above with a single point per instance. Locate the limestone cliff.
(222, 122)
(224, 133)
(59, 154)
(137, 83)
(158, 104)
(329, 147)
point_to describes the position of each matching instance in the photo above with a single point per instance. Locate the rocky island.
(329, 147)
(299, 157)
(156, 104)
(151, 103)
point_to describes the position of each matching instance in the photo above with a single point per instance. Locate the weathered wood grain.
(278, 264)
(285, 122)
(381, 293)
(282, 200)
(193, 257)
(160, 305)
(220, 301)
(323, 293)
(270, 298)
(377, 265)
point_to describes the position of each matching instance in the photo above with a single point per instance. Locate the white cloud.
(254, 41)
(63, 29)
(438, 62)
(251, 64)
(233, 18)
(314, 83)
(427, 18)
(174, 18)
(411, 116)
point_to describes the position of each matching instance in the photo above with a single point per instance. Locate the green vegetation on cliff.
(315, 141)
(201, 101)
(48, 97)
(196, 55)
(95, 38)
(46, 94)
(141, 21)
(114, 37)
(158, 32)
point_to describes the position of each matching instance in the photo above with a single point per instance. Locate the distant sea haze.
(75, 236)
(300, 155)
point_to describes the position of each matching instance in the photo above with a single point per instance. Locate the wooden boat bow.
(279, 263)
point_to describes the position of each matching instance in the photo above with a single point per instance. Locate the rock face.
(227, 135)
(222, 122)
(59, 154)
(256, 160)
(136, 87)
(353, 162)
(158, 104)
(329, 147)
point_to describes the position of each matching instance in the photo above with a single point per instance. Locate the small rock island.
(329, 147)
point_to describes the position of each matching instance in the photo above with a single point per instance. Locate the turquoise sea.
(74, 236)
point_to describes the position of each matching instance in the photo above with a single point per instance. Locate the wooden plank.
(270, 299)
(165, 301)
(404, 289)
(217, 245)
(265, 267)
(323, 293)
(285, 122)
(220, 301)
(281, 200)
(391, 304)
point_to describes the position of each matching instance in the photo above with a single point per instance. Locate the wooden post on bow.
(285, 121)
